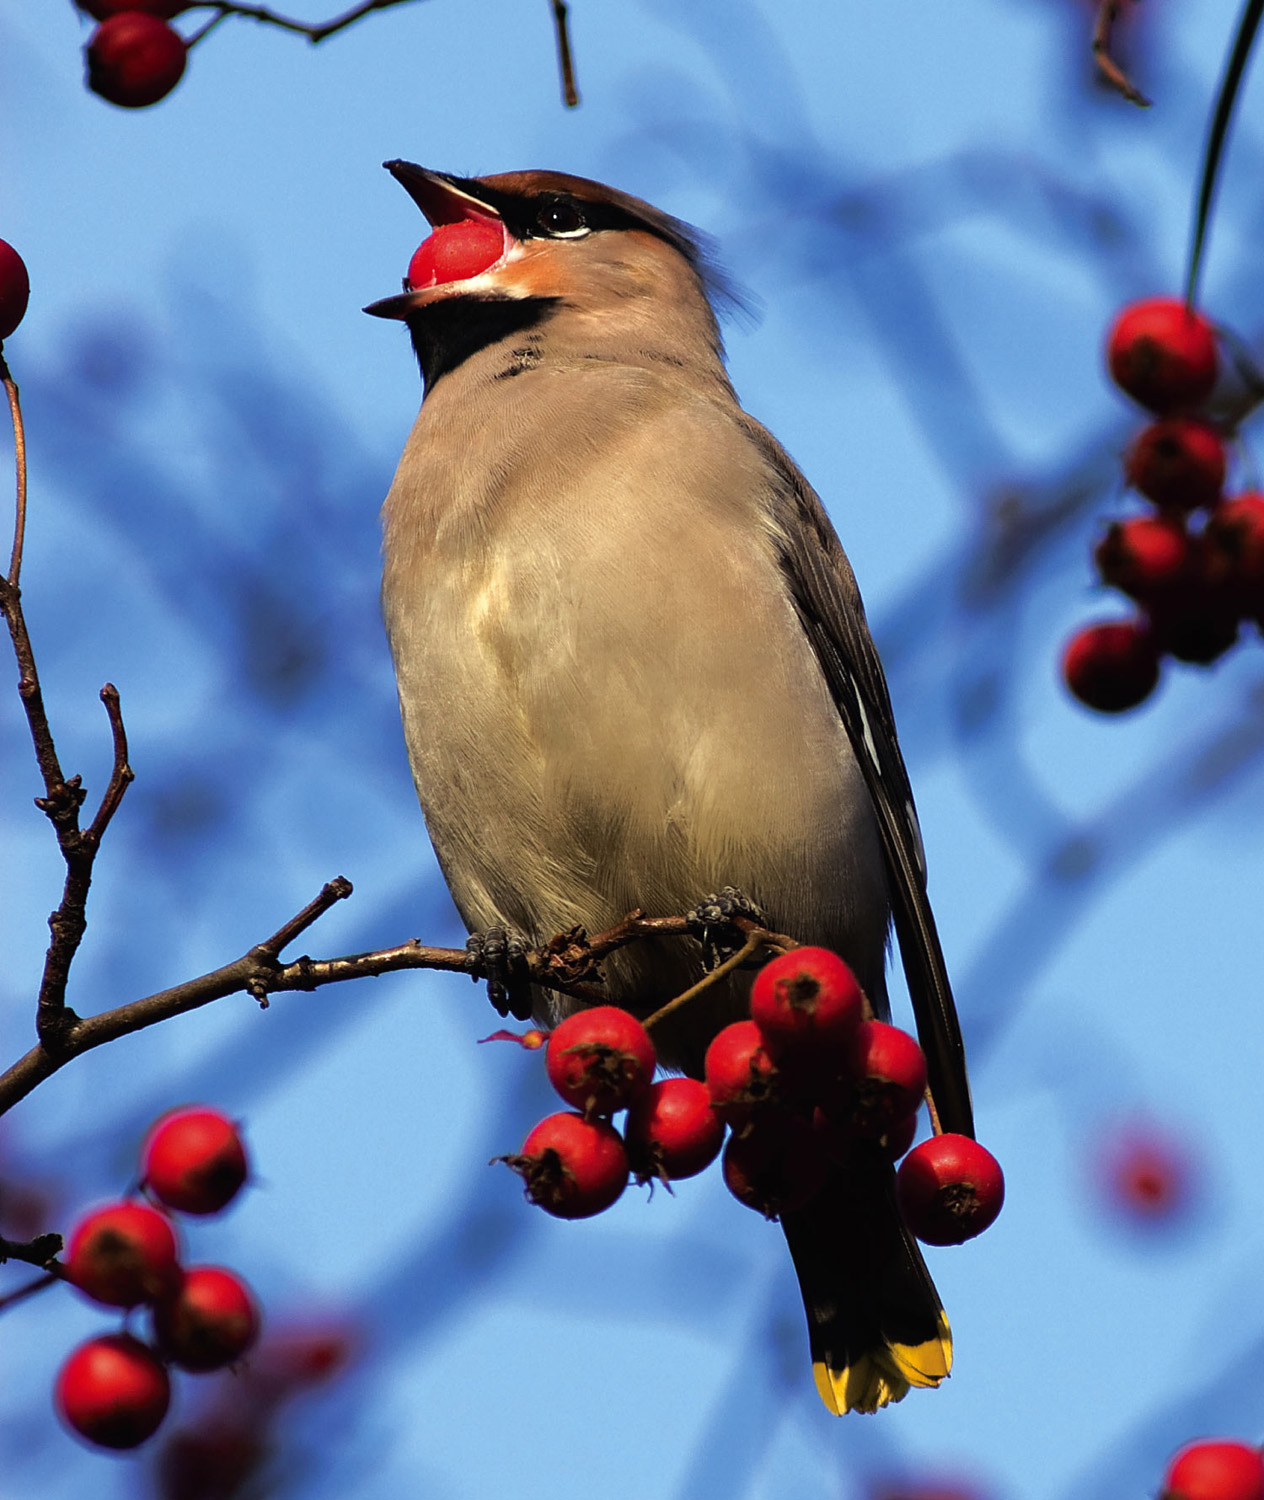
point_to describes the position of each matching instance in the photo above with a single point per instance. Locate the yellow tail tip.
(885, 1375)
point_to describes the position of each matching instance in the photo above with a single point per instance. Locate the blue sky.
(934, 217)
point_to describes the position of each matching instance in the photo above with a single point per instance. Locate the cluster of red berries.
(805, 1083)
(114, 1390)
(135, 56)
(1224, 1470)
(1194, 563)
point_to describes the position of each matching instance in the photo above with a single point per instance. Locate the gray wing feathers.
(825, 596)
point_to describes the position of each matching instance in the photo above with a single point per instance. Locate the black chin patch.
(447, 332)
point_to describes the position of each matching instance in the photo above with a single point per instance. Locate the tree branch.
(1107, 15)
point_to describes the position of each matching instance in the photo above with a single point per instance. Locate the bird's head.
(521, 248)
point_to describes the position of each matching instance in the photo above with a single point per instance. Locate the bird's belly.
(589, 736)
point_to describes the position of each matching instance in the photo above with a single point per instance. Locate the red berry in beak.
(806, 1004)
(15, 289)
(1215, 1471)
(949, 1189)
(672, 1131)
(599, 1060)
(1162, 355)
(572, 1167)
(194, 1161)
(1113, 666)
(123, 1254)
(134, 60)
(455, 252)
(210, 1322)
(113, 1391)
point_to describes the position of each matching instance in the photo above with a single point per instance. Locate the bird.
(634, 670)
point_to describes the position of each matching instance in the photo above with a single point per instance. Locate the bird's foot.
(713, 923)
(502, 952)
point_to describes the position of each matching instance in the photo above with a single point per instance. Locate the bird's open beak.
(443, 202)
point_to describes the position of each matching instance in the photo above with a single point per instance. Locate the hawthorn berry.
(113, 1391)
(740, 1074)
(15, 289)
(135, 59)
(949, 1189)
(454, 252)
(776, 1164)
(846, 1147)
(1112, 666)
(1224, 1470)
(572, 1167)
(1146, 1176)
(123, 1254)
(1178, 463)
(1146, 557)
(210, 1321)
(1197, 624)
(194, 1160)
(887, 1078)
(672, 1130)
(600, 1059)
(1235, 536)
(806, 1002)
(1162, 354)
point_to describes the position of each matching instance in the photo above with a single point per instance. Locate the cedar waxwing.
(634, 669)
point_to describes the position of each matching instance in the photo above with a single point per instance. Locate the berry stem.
(756, 939)
(1239, 54)
(19, 453)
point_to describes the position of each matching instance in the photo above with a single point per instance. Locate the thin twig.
(121, 773)
(11, 1299)
(565, 62)
(19, 452)
(42, 1251)
(755, 940)
(1107, 15)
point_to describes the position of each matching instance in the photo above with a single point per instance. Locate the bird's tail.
(875, 1321)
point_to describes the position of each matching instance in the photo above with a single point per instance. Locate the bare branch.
(121, 774)
(12, 1299)
(1107, 15)
(565, 62)
(42, 1251)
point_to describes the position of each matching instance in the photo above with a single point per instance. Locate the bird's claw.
(502, 954)
(712, 923)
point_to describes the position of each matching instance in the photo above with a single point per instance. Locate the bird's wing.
(823, 589)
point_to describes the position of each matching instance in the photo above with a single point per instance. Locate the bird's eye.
(561, 219)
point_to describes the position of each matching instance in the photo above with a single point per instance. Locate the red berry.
(672, 1131)
(1199, 624)
(807, 1002)
(123, 1254)
(1113, 666)
(777, 1164)
(572, 1167)
(210, 1322)
(165, 10)
(1215, 1471)
(1148, 557)
(1147, 1176)
(455, 252)
(740, 1073)
(1235, 537)
(135, 59)
(599, 1060)
(949, 1189)
(1178, 463)
(887, 1078)
(1162, 355)
(846, 1147)
(15, 289)
(113, 1391)
(194, 1160)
